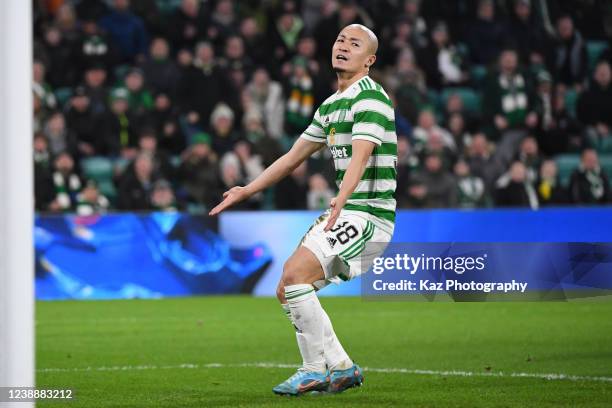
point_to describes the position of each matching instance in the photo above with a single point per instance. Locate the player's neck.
(346, 79)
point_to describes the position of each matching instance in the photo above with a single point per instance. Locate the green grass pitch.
(161, 353)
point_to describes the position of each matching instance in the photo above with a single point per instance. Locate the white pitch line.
(442, 373)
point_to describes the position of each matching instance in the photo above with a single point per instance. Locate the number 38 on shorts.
(343, 250)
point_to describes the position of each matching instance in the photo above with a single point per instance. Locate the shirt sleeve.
(314, 132)
(372, 118)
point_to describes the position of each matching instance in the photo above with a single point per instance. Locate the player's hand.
(336, 204)
(231, 197)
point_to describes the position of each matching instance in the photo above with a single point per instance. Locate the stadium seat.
(62, 95)
(478, 74)
(97, 168)
(567, 163)
(594, 51)
(571, 98)
(471, 99)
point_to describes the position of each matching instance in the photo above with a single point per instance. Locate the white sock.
(307, 316)
(335, 356)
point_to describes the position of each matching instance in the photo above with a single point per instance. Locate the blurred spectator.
(412, 14)
(66, 22)
(441, 60)
(558, 130)
(59, 137)
(508, 97)
(139, 99)
(595, 109)
(224, 135)
(427, 130)
(525, 31)
(516, 190)
(408, 82)
(90, 201)
(471, 191)
(164, 118)
(407, 163)
(284, 34)
(235, 58)
(43, 181)
(529, 155)
(458, 131)
(399, 38)
(480, 159)
(41, 88)
(550, 190)
(319, 194)
(205, 77)
(240, 166)
(569, 57)
(300, 104)
(95, 86)
(161, 163)
(67, 183)
(59, 54)
(94, 47)
(223, 22)
(485, 36)
(187, 26)
(81, 119)
(161, 72)
(253, 39)
(163, 198)
(126, 30)
(439, 185)
(291, 192)
(266, 96)
(135, 186)
(199, 173)
(589, 184)
(121, 127)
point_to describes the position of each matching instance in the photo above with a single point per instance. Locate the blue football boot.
(301, 382)
(344, 379)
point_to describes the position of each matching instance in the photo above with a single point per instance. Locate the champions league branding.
(490, 271)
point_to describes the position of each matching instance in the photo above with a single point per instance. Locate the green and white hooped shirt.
(362, 111)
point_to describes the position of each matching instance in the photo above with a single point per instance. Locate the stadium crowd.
(165, 104)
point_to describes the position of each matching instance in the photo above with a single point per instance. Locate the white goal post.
(16, 198)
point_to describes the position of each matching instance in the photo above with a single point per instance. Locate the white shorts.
(348, 249)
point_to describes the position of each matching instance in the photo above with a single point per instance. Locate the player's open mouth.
(341, 57)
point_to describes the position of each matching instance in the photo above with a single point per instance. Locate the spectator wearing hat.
(140, 100)
(569, 55)
(224, 135)
(135, 186)
(589, 184)
(163, 197)
(121, 127)
(66, 182)
(84, 122)
(595, 109)
(199, 172)
(90, 201)
(441, 60)
(126, 30)
(160, 71)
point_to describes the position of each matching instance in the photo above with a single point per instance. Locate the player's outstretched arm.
(362, 150)
(300, 151)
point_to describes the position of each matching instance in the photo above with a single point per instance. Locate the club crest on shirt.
(332, 135)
